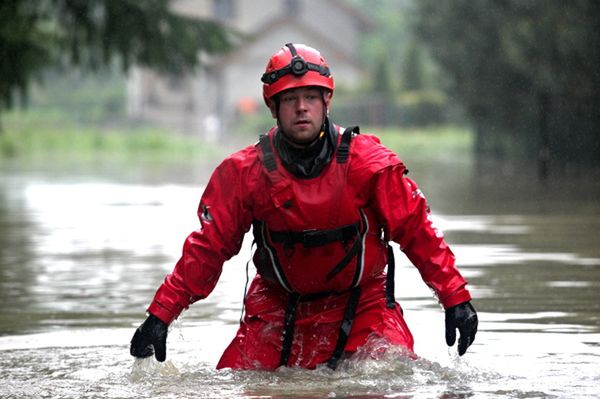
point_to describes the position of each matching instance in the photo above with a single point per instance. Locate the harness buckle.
(311, 238)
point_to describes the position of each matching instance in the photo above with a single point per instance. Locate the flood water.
(81, 255)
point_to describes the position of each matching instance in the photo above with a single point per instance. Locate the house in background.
(206, 103)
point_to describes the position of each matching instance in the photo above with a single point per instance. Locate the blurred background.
(113, 114)
(513, 83)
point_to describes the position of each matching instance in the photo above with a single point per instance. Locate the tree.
(413, 69)
(382, 81)
(526, 72)
(387, 41)
(35, 34)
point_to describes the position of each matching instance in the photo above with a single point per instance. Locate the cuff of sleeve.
(456, 298)
(161, 312)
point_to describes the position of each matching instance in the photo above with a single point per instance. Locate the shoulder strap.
(344, 148)
(267, 149)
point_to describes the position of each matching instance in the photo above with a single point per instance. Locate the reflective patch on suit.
(418, 193)
(438, 233)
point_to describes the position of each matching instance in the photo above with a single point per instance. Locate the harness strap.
(345, 328)
(342, 151)
(390, 298)
(345, 260)
(344, 148)
(267, 149)
(288, 329)
(314, 238)
(290, 321)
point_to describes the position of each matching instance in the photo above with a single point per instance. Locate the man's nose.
(301, 104)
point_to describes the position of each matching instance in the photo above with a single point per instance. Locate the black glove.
(463, 317)
(150, 338)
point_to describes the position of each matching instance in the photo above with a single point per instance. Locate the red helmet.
(295, 65)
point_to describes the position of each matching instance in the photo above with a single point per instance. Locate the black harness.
(316, 238)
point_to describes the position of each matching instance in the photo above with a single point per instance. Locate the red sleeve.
(225, 217)
(405, 213)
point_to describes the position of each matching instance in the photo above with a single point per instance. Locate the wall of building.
(205, 104)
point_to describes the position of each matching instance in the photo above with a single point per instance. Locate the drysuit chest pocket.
(282, 196)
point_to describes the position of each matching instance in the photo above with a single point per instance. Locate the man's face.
(301, 113)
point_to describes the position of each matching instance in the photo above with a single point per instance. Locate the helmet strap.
(297, 67)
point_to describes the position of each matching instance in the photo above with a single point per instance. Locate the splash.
(148, 368)
(377, 370)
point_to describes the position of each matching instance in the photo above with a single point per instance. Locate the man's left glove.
(150, 338)
(463, 317)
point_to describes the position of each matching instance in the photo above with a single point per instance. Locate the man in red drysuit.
(323, 202)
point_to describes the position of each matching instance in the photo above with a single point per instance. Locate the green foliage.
(447, 142)
(382, 79)
(399, 68)
(407, 109)
(527, 73)
(92, 33)
(91, 98)
(389, 37)
(24, 47)
(253, 125)
(413, 71)
(54, 135)
(423, 108)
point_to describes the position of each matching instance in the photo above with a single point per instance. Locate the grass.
(53, 135)
(436, 142)
(34, 135)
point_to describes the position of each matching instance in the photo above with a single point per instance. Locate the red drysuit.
(321, 250)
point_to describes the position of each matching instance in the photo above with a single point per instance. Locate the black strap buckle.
(312, 238)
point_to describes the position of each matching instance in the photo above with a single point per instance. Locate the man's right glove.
(463, 317)
(150, 338)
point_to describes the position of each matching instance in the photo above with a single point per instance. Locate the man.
(323, 202)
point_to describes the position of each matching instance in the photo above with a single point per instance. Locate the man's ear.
(327, 94)
(273, 108)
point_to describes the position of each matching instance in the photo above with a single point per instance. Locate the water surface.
(82, 254)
